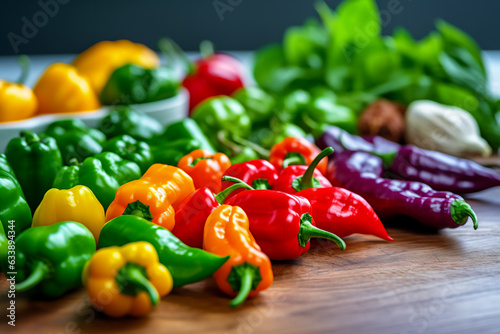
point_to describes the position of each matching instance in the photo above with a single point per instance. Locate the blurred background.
(71, 26)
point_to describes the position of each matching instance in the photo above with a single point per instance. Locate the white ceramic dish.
(165, 111)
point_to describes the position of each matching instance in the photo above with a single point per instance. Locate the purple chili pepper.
(440, 171)
(361, 173)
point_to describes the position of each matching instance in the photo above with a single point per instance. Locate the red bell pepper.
(342, 212)
(193, 211)
(280, 223)
(295, 178)
(260, 173)
(295, 151)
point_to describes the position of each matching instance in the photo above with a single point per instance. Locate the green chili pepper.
(258, 104)
(187, 265)
(131, 84)
(13, 205)
(222, 113)
(170, 153)
(35, 162)
(75, 139)
(184, 129)
(50, 259)
(130, 149)
(123, 120)
(103, 174)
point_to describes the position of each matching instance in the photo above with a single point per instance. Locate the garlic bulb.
(447, 129)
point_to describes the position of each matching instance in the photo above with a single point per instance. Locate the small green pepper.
(130, 149)
(184, 129)
(170, 153)
(103, 174)
(13, 205)
(35, 162)
(75, 139)
(50, 259)
(258, 104)
(187, 265)
(123, 120)
(222, 113)
(131, 84)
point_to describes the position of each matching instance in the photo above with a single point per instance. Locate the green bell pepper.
(293, 104)
(35, 162)
(258, 104)
(49, 260)
(75, 139)
(184, 129)
(170, 153)
(130, 149)
(13, 205)
(123, 120)
(131, 84)
(103, 174)
(222, 113)
(186, 264)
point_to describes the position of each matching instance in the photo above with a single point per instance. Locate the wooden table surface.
(425, 281)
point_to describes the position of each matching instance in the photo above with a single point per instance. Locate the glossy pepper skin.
(361, 173)
(50, 259)
(295, 178)
(133, 84)
(186, 265)
(296, 151)
(186, 129)
(222, 113)
(205, 169)
(75, 140)
(217, 74)
(131, 149)
(123, 120)
(35, 162)
(281, 223)
(101, 59)
(259, 173)
(248, 270)
(192, 213)
(342, 212)
(17, 101)
(258, 104)
(169, 153)
(62, 89)
(103, 173)
(13, 205)
(4, 249)
(130, 276)
(76, 204)
(440, 171)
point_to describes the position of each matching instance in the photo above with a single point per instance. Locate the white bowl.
(165, 111)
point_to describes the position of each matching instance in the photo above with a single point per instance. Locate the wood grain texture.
(426, 281)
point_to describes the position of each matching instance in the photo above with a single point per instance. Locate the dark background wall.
(73, 25)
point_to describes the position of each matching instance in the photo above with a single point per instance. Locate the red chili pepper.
(342, 212)
(280, 223)
(193, 211)
(260, 173)
(298, 177)
(295, 151)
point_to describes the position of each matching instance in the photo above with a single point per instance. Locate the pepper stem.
(195, 161)
(308, 231)
(172, 50)
(221, 197)
(293, 158)
(24, 62)
(132, 279)
(243, 278)
(235, 180)
(138, 209)
(307, 180)
(206, 48)
(461, 211)
(261, 184)
(39, 272)
(222, 138)
(256, 147)
(30, 137)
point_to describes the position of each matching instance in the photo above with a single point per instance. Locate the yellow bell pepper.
(127, 280)
(77, 204)
(17, 101)
(62, 89)
(98, 62)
